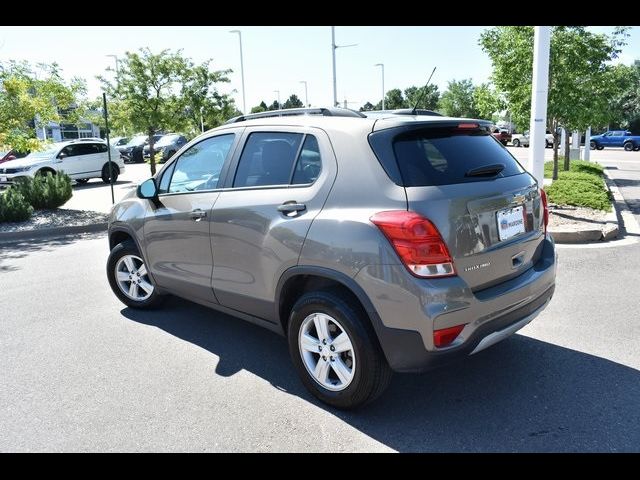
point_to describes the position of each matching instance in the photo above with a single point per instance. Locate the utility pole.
(244, 103)
(279, 104)
(334, 47)
(381, 65)
(306, 94)
(539, 90)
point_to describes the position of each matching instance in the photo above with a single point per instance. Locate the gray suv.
(374, 244)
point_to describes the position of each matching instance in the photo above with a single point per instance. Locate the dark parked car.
(132, 151)
(166, 147)
(5, 156)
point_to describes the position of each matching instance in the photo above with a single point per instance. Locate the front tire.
(129, 278)
(516, 143)
(600, 147)
(81, 181)
(334, 349)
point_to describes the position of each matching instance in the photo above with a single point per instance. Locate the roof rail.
(327, 112)
(404, 111)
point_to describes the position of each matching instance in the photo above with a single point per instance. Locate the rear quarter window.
(440, 155)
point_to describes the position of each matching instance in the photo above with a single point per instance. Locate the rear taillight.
(417, 242)
(545, 209)
(442, 338)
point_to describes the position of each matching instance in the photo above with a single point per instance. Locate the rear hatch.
(486, 207)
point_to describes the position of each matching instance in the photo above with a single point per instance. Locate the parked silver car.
(394, 243)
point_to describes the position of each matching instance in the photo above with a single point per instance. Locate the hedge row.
(42, 192)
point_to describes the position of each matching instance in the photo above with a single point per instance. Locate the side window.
(267, 159)
(166, 178)
(309, 165)
(102, 147)
(199, 167)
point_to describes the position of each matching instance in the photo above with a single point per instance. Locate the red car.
(502, 135)
(5, 156)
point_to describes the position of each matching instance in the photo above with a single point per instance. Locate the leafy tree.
(166, 91)
(274, 106)
(579, 69)
(204, 103)
(367, 107)
(430, 97)
(487, 102)
(293, 102)
(393, 100)
(260, 108)
(30, 98)
(458, 100)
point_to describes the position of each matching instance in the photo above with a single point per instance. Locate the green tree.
(274, 106)
(367, 107)
(487, 102)
(458, 100)
(260, 108)
(293, 102)
(430, 97)
(393, 100)
(579, 69)
(204, 104)
(30, 98)
(150, 87)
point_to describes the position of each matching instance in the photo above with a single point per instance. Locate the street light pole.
(539, 92)
(381, 65)
(334, 47)
(306, 94)
(279, 104)
(244, 104)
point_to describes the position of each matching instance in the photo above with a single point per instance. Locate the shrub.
(46, 191)
(578, 166)
(14, 207)
(582, 177)
(579, 193)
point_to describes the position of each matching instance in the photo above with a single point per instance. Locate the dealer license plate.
(510, 222)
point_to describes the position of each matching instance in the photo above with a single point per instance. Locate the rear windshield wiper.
(485, 171)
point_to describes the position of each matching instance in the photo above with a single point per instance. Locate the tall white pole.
(279, 104)
(586, 153)
(383, 91)
(539, 93)
(333, 53)
(244, 103)
(306, 94)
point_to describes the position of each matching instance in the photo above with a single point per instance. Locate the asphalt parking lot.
(81, 372)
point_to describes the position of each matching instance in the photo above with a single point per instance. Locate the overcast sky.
(277, 58)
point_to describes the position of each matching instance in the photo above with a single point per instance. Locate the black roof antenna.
(413, 112)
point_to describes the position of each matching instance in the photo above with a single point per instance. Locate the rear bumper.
(408, 309)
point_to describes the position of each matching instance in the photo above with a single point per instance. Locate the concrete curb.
(606, 232)
(12, 237)
(622, 207)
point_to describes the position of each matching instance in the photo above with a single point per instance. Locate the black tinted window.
(199, 167)
(444, 155)
(267, 159)
(308, 166)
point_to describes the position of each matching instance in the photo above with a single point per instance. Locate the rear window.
(441, 155)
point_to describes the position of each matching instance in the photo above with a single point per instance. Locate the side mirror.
(147, 189)
(62, 155)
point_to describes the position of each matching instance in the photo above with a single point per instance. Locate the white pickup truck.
(522, 139)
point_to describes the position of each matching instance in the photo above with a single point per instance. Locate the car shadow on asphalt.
(520, 395)
(16, 249)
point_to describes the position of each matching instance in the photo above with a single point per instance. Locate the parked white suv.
(81, 159)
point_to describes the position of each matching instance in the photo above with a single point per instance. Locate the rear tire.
(600, 147)
(82, 181)
(349, 381)
(593, 145)
(628, 147)
(516, 143)
(106, 174)
(124, 263)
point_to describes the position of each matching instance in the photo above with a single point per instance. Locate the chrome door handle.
(198, 214)
(292, 208)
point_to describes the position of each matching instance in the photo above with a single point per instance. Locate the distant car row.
(136, 149)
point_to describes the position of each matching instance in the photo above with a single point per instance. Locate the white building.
(67, 131)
